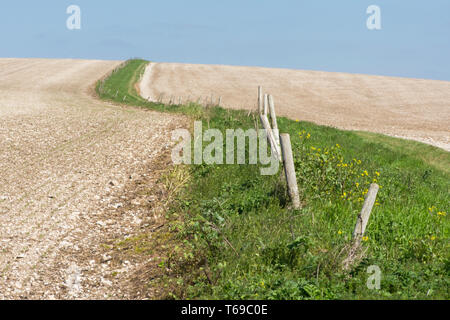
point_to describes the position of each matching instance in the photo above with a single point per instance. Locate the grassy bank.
(240, 240)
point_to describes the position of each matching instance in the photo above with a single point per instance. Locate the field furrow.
(64, 158)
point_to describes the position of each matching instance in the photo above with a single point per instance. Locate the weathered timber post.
(289, 169)
(354, 252)
(260, 100)
(266, 103)
(273, 116)
(270, 136)
(364, 216)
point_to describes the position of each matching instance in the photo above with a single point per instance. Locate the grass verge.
(236, 238)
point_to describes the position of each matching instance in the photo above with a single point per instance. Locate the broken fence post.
(354, 253)
(363, 217)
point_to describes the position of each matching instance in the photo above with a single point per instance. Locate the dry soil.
(67, 161)
(408, 108)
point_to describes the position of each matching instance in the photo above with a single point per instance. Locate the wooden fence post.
(273, 116)
(354, 253)
(260, 100)
(266, 103)
(364, 216)
(270, 135)
(289, 169)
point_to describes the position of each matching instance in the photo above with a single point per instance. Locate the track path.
(64, 156)
(407, 108)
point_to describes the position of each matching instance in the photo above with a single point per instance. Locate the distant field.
(408, 108)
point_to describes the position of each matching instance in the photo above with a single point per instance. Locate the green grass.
(253, 246)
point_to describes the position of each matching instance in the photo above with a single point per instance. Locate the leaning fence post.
(289, 169)
(273, 116)
(270, 135)
(363, 217)
(360, 228)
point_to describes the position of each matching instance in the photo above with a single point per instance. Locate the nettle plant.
(325, 173)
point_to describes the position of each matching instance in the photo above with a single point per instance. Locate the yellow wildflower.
(365, 239)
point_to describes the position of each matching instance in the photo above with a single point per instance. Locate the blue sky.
(328, 35)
